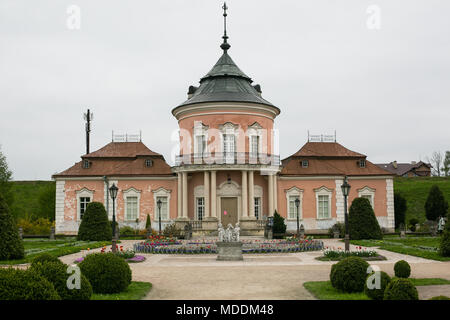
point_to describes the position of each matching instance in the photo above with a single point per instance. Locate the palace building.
(227, 170)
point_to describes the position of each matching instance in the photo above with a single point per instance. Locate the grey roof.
(225, 83)
(402, 168)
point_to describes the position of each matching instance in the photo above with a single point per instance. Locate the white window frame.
(367, 191)
(83, 193)
(259, 206)
(294, 192)
(255, 130)
(197, 207)
(323, 191)
(228, 129)
(161, 192)
(131, 192)
(200, 130)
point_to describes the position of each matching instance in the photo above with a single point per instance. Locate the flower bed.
(209, 246)
(128, 255)
(333, 254)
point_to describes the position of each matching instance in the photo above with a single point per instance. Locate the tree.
(95, 225)
(436, 206)
(400, 207)
(148, 223)
(11, 246)
(444, 249)
(436, 163)
(362, 223)
(5, 180)
(46, 200)
(446, 167)
(279, 227)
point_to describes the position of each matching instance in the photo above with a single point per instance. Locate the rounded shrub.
(18, 284)
(349, 274)
(11, 246)
(45, 257)
(95, 225)
(401, 289)
(377, 293)
(362, 222)
(402, 269)
(56, 274)
(107, 272)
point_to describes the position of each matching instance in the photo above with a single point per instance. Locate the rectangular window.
(200, 208)
(257, 207)
(132, 208)
(201, 145)
(228, 147)
(164, 208)
(84, 201)
(293, 207)
(254, 146)
(324, 205)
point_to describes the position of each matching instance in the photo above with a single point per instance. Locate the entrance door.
(229, 211)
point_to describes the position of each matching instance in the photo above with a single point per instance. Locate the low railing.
(227, 158)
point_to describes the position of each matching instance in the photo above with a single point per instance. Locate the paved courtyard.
(259, 276)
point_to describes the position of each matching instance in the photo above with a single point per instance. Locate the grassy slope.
(415, 190)
(26, 195)
(135, 291)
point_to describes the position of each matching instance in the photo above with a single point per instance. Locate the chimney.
(413, 162)
(394, 164)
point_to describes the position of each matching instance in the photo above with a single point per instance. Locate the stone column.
(206, 193)
(275, 192)
(213, 194)
(270, 194)
(251, 194)
(185, 198)
(244, 194)
(179, 196)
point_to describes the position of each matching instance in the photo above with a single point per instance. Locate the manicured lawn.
(57, 248)
(424, 247)
(135, 291)
(415, 190)
(323, 290)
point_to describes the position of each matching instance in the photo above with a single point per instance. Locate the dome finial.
(225, 45)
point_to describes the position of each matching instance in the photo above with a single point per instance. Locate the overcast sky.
(382, 84)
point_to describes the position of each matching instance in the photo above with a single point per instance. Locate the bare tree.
(436, 163)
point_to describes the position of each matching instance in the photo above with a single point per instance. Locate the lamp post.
(113, 192)
(297, 204)
(159, 203)
(345, 191)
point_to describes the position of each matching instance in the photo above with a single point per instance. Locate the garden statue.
(236, 232)
(441, 224)
(229, 233)
(221, 233)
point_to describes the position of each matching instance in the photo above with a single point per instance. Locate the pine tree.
(11, 246)
(148, 223)
(95, 225)
(362, 222)
(400, 207)
(279, 226)
(436, 206)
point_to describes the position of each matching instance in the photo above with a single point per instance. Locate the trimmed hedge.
(279, 227)
(17, 284)
(95, 225)
(401, 289)
(56, 273)
(377, 294)
(349, 274)
(45, 257)
(107, 272)
(11, 246)
(362, 222)
(402, 269)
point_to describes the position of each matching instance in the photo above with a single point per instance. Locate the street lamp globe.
(113, 191)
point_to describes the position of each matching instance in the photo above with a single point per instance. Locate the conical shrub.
(362, 222)
(95, 225)
(11, 246)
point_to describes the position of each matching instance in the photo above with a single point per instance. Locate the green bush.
(349, 274)
(107, 272)
(95, 225)
(45, 257)
(148, 223)
(340, 226)
(400, 208)
(127, 231)
(401, 289)
(11, 246)
(56, 274)
(362, 222)
(17, 284)
(412, 224)
(440, 298)
(444, 248)
(377, 294)
(279, 227)
(40, 226)
(402, 269)
(436, 205)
